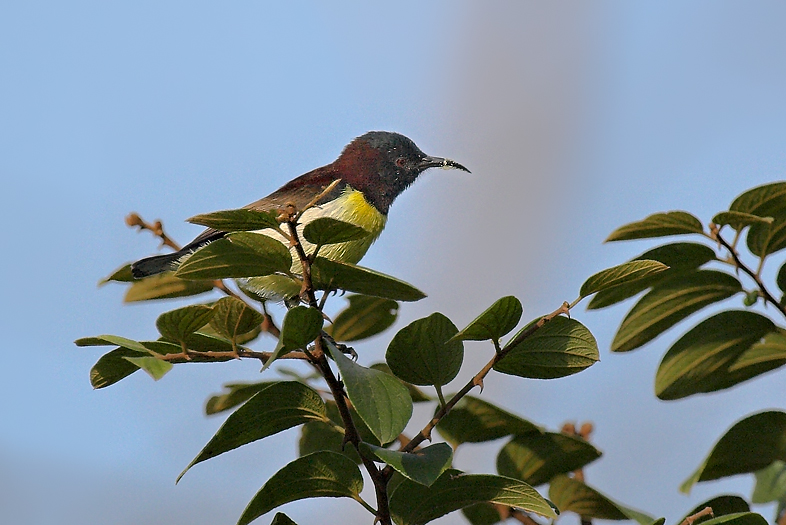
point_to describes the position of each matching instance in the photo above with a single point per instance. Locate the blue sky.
(574, 118)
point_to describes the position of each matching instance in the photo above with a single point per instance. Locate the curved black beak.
(439, 162)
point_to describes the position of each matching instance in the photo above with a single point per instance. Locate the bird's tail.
(156, 264)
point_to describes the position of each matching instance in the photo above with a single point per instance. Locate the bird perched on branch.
(372, 171)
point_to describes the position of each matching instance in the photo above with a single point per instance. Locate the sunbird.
(372, 171)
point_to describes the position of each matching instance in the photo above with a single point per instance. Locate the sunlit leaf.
(164, 286)
(237, 220)
(278, 407)
(364, 317)
(113, 340)
(658, 225)
(670, 302)
(327, 274)
(233, 317)
(768, 200)
(178, 325)
(417, 395)
(497, 321)
(155, 368)
(619, 275)
(414, 504)
(536, 457)
(240, 254)
(770, 483)
(319, 475)
(473, 420)
(560, 348)
(380, 399)
(738, 220)
(423, 466)
(692, 364)
(422, 353)
(327, 230)
(121, 275)
(748, 446)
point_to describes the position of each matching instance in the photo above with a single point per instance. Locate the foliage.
(354, 428)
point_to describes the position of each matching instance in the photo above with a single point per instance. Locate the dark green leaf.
(327, 230)
(278, 407)
(301, 327)
(622, 274)
(560, 348)
(316, 436)
(770, 483)
(380, 399)
(765, 355)
(692, 364)
(473, 420)
(232, 317)
(423, 466)
(237, 220)
(178, 325)
(271, 287)
(780, 280)
(721, 506)
(112, 367)
(164, 286)
(282, 519)
(202, 342)
(422, 353)
(121, 275)
(761, 200)
(679, 257)
(417, 395)
(658, 225)
(743, 518)
(238, 393)
(497, 321)
(535, 458)
(572, 495)
(237, 255)
(318, 475)
(749, 445)
(765, 239)
(482, 514)
(327, 274)
(364, 317)
(335, 416)
(414, 504)
(670, 302)
(739, 220)
(156, 368)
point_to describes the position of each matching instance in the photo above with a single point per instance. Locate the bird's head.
(382, 164)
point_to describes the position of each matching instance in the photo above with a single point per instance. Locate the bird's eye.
(401, 162)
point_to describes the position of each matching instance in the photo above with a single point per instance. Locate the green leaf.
(237, 220)
(535, 458)
(780, 280)
(770, 483)
(417, 395)
(302, 325)
(178, 325)
(316, 436)
(164, 286)
(739, 220)
(625, 273)
(201, 342)
(233, 317)
(768, 200)
(364, 317)
(238, 394)
(112, 367)
(414, 504)
(271, 287)
(237, 255)
(658, 225)
(278, 407)
(473, 420)
(482, 514)
(560, 348)
(113, 340)
(318, 475)
(678, 256)
(742, 518)
(766, 239)
(156, 368)
(282, 519)
(749, 445)
(121, 275)
(572, 495)
(423, 466)
(764, 356)
(327, 274)
(670, 302)
(422, 353)
(497, 321)
(691, 365)
(721, 506)
(380, 399)
(327, 230)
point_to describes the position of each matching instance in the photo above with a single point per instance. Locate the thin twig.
(706, 511)
(194, 356)
(156, 228)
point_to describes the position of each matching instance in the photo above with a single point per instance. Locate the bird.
(372, 170)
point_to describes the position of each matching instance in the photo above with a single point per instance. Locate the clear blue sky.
(574, 118)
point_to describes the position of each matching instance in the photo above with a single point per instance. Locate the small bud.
(132, 219)
(751, 298)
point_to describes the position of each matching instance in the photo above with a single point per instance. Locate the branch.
(194, 356)
(156, 228)
(715, 234)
